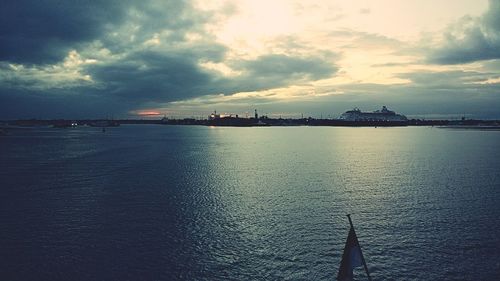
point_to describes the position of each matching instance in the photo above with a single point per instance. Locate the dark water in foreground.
(199, 203)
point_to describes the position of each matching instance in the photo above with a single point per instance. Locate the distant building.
(378, 115)
(216, 116)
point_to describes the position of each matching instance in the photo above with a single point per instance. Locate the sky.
(150, 58)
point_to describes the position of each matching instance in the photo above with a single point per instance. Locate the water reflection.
(160, 202)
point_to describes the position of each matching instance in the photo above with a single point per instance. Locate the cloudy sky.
(127, 59)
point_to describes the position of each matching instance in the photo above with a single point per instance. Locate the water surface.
(198, 203)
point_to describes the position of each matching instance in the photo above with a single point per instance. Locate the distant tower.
(256, 115)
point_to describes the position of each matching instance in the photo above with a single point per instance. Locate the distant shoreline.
(252, 122)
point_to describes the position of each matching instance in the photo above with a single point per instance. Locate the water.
(198, 203)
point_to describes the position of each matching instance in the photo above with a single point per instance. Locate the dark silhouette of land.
(231, 121)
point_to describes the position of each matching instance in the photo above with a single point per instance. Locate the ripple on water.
(196, 203)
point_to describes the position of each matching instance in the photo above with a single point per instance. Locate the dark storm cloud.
(42, 31)
(153, 76)
(477, 39)
(143, 53)
(37, 35)
(170, 19)
(150, 76)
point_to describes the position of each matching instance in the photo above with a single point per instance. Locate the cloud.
(128, 54)
(471, 39)
(287, 67)
(276, 70)
(419, 100)
(43, 31)
(97, 58)
(416, 102)
(70, 55)
(148, 75)
(359, 39)
(452, 79)
(151, 76)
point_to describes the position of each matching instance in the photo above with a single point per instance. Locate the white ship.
(378, 115)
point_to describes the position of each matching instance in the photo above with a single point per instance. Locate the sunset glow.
(146, 113)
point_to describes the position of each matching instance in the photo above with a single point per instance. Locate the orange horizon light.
(147, 113)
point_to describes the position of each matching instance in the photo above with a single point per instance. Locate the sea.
(159, 202)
